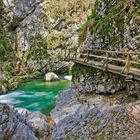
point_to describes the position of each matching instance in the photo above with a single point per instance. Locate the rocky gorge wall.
(37, 27)
(113, 25)
(101, 105)
(93, 81)
(35, 30)
(93, 109)
(94, 117)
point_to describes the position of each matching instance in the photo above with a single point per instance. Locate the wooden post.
(75, 54)
(126, 68)
(107, 56)
(69, 54)
(105, 63)
(65, 54)
(87, 58)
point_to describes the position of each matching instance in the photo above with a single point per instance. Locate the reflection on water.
(36, 95)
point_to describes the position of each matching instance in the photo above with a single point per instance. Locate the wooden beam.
(111, 68)
(114, 52)
(110, 58)
(71, 56)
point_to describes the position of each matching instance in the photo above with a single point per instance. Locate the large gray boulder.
(38, 122)
(19, 124)
(71, 117)
(88, 117)
(11, 127)
(51, 77)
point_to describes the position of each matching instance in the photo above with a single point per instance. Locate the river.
(36, 95)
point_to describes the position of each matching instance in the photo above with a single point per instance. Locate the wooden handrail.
(106, 56)
(71, 54)
(110, 58)
(107, 51)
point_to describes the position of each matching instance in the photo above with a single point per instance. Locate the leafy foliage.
(93, 15)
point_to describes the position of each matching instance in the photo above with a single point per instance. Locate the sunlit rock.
(68, 77)
(38, 122)
(51, 77)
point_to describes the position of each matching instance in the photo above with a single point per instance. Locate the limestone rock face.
(51, 77)
(36, 120)
(71, 117)
(93, 117)
(90, 80)
(109, 29)
(11, 127)
(19, 124)
(33, 24)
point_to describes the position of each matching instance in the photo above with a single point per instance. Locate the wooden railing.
(125, 60)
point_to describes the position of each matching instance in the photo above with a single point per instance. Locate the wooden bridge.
(126, 64)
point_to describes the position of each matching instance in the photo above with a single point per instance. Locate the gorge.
(98, 105)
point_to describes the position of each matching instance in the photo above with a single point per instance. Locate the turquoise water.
(36, 95)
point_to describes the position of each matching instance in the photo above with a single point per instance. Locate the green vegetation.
(114, 113)
(97, 123)
(67, 14)
(101, 136)
(78, 70)
(5, 49)
(38, 49)
(3, 43)
(136, 66)
(111, 26)
(93, 15)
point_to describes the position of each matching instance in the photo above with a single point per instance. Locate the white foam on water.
(40, 94)
(33, 105)
(5, 101)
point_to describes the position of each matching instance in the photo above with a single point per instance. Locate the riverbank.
(76, 116)
(10, 82)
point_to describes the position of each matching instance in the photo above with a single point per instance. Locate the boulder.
(71, 117)
(51, 77)
(3, 89)
(38, 122)
(88, 117)
(68, 77)
(11, 126)
(19, 124)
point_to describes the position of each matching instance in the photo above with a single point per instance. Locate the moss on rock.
(109, 21)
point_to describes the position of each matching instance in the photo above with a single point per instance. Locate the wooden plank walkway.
(101, 59)
(111, 68)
